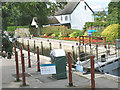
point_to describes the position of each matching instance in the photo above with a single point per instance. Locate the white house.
(74, 15)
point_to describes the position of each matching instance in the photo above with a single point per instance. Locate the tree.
(113, 12)
(100, 16)
(111, 32)
(21, 13)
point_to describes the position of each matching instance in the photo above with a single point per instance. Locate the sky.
(98, 5)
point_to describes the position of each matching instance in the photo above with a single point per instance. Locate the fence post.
(29, 62)
(92, 73)
(20, 45)
(70, 68)
(17, 66)
(38, 61)
(23, 71)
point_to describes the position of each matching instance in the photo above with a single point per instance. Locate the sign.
(79, 68)
(48, 69)
(90, 32)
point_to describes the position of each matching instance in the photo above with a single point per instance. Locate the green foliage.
(7, 46)
(22, 13)
(97, 34)
(89, 24)
(13, 28)
(100, 16)
(76, 33)
(113, 12)
(112, 32)
(55, 30)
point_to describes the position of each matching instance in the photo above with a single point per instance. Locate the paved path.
(36, 80)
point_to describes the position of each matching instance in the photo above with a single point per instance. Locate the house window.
(66, 18)
(85, 8)
(61, 18)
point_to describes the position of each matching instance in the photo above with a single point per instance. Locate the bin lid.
(57, 52)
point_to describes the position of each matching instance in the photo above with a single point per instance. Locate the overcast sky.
(97, 5)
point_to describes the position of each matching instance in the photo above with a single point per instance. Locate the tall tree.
(113, 12)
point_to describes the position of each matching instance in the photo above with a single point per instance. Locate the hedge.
(13, 28)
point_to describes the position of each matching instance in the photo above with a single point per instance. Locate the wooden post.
(23, 71)
(83, 40)
(42, 48)
(50, 46)
(60, 45)
(15, 47)
(105, 42)
(17, 66)
(34, 47)
(90, 41)
(29, 62)
(97, 51)
(92, 73)
(38, 61)
(20, 45)
(70, 69)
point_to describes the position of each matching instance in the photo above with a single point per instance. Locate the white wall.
(63, 21)
(80, 16)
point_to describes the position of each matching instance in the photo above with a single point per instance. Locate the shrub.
(13, 28)
(76, 33)
(98, 34)
(111, 32)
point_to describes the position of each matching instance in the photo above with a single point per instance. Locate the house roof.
(52, 20)
(69, 8)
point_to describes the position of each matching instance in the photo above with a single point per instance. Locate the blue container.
(90, 32)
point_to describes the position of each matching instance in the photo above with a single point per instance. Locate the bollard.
(34, 47)
(92, 73)
(42, 48)
(70, 68)
(73, 52)
(23, 71)
(29, 62)
(79, 52)
(17, 67)
(38, 61)
(60, 45)
(50, 46)
(20, 45)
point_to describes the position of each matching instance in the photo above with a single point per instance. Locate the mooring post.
(20, 45)
(23, 71)
(90, 42)
(34, 47)
(60, 45)
(70, 69)
(92, 73)
(50, 45)
(29, 62)
(38, 61)
(15, 48)
(17, 66)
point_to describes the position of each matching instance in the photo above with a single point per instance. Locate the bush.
(97, 34)
(13, 28)
(111, 32)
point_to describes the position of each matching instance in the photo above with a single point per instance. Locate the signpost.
(48, 69)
